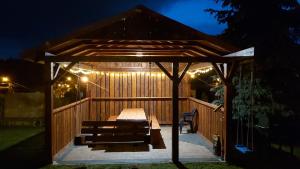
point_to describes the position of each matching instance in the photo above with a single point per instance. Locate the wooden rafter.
(186, 68)
(156, 58)
(201, 45)
(219, 72)
(164, 70)
(61, 75)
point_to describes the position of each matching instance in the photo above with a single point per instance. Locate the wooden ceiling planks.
(139, 35)
(132, 48)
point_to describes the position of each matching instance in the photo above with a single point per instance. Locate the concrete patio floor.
(192, 148)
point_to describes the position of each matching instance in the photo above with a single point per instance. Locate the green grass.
(287, 149)
(13, 136)
(146, 166)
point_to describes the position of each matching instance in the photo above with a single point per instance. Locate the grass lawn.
(287, 149)
(146, 166)
(12, 136)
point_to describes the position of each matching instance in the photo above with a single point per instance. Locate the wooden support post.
(226, 77)
(48, 109)
(228, 146)
(175, 145)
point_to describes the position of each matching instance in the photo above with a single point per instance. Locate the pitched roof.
(139, 30)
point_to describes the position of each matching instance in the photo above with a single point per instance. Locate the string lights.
(199, 71)
(84, 71)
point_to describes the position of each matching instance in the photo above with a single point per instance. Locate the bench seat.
(112, 131)
(155, 135)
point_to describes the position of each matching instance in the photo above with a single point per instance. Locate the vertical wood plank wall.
(161, 107)
(67, 119)
(135, 88)
(115, 91)
(209, 122)
(66, 123)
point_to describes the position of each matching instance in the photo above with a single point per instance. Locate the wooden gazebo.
(127, 43)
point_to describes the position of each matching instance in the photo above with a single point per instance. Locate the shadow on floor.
(123, 147)
(30, 153)
(129, 147)
(161, 144)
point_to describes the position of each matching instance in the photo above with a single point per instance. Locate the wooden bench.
(110, 132)
(155, 135)
(112, 118)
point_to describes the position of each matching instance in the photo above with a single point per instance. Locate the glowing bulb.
(5, 79)
(102, 73)
(69, 78)
(192, 76)
(84, 79)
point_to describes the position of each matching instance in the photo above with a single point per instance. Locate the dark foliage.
(273, 28)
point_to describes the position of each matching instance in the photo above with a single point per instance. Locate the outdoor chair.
(188, 117)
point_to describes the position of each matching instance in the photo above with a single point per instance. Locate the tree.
(273, 28)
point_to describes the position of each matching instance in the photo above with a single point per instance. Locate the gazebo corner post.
(175, 120)
(228, 146)
(226, 76)
(48, 109)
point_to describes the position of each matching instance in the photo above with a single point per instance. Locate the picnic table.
(132, 114)
(131, 125)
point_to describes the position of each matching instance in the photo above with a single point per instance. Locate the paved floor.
(192, 148)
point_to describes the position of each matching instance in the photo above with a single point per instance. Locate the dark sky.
(28, 23)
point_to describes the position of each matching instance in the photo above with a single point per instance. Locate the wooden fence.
(134, 85)
(66, 123)
(209, 121)
(67, 120)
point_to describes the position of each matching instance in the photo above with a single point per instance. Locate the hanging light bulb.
(69, 78)
(84, 79)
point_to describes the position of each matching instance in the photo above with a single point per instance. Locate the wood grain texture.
(209, 122)
(138, 85)
(67, 123)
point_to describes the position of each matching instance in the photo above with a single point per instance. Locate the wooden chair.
(188, 117)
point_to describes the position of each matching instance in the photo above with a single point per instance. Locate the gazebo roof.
(138, 33)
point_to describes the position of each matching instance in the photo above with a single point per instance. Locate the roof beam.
(156, 58)
(96, 42)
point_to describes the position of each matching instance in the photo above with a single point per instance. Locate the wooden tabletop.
(134, 114)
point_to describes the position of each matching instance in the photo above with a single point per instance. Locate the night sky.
(28, 23)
